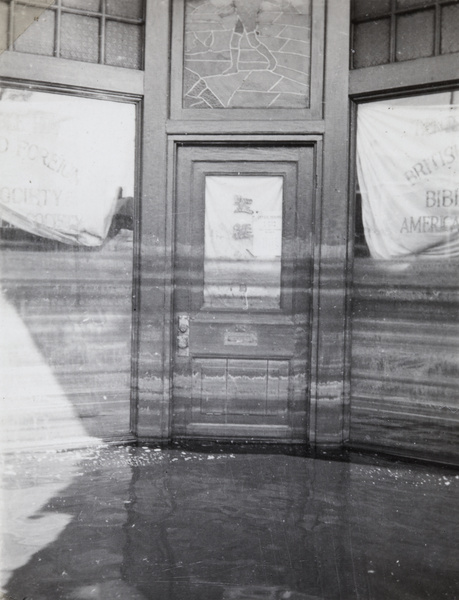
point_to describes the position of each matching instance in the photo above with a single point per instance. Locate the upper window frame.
(360, 250)
(102, 16)
(314, 112)
(391, 14)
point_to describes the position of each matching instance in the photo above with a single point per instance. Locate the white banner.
(63, 162)
(408, 170)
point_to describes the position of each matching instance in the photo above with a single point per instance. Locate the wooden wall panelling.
(327, 402)
(414, 74)
(405, 359)
(154, 261)
(68, 73)
(405, 316)
(70, 351)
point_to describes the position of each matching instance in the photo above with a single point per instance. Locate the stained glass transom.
(247, 54)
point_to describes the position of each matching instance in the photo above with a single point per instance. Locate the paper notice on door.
(267, 235)
(243, 241)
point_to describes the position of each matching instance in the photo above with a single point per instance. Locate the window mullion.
(57, 44)
(102, 33)
(393, 31)
(437, 38)
(11, 25)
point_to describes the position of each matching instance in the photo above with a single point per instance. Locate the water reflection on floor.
(141, 524)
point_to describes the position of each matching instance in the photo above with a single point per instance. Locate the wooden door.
(243, 271)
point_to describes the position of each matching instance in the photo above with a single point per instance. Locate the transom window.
(108, 32)
(387, 31)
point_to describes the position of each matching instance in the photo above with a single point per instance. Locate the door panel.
(247, 387)
(243, 269)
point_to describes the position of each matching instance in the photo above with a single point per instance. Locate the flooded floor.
(142, 523)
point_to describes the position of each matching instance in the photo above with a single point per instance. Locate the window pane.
(123, 47)
(254, 56)
(411, 3)
(125, 8)
(34, 30)
(450, 29)
(371, 43)
(90, 5)
(67, 167)
(4, 12)
(415, 35)
(80, 38)
(370, 8)
(243, 241)
(407, 159)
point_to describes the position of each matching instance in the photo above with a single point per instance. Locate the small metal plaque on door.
(240, 338)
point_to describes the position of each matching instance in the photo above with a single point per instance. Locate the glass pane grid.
(418, 28)
(95, 31)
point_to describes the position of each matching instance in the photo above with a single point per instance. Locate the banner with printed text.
(66, 163)
(408, 171)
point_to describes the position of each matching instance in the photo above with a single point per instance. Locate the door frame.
(314, 141)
